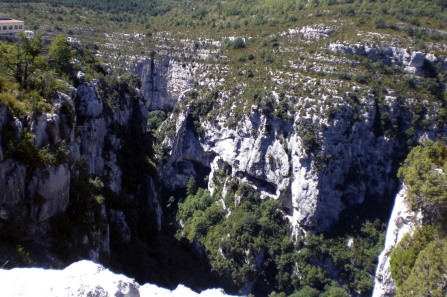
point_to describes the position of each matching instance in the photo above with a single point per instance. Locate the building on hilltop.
(10, 27)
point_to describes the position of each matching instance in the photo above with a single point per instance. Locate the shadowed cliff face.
(80, 182)
(61, 173)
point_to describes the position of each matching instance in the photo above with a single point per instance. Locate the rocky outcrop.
(164, 80)
(315, 32)
(89, 103)
(402, 222)
(42, 190)
(414, 62)
(84, 279)
(356, 164)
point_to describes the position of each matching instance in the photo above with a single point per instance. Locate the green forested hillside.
(229, 16)
(404, 10)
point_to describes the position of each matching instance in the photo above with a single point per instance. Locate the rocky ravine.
(359, 162)
(353, 160)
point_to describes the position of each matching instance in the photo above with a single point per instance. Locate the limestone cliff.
(90, 134)
(350, 164)
(163, 81)
(318, 134)
(338, 142)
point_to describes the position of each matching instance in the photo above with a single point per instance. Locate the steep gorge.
(322, 132)
(322, 163)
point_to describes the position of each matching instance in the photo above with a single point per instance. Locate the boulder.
(85, 279)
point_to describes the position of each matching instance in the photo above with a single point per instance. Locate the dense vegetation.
(28, 86)
(424, 173)
(136, 10)
(417, 262)
(248, 241)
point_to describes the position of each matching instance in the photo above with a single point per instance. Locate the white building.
(10, 27)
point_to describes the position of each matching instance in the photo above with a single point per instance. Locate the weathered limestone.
(413, 61)
(89, 104)
(50, 186)
(163, 81)
(44, 192)
(280, 167)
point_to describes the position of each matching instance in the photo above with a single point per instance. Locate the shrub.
(234, 238)
(241, 58)
(155, 119)
(309, 137)
(380, 23)
(67, 109)
(427, 277)
(23, 150)
(235, 44)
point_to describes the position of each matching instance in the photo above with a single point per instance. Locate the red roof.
(10, 21)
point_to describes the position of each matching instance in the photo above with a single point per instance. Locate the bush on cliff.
(424, 171)
(416, 262)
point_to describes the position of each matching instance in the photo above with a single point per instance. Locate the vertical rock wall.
(163, 81)
(35, 194)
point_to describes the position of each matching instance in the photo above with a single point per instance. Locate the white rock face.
(402, 222)
(90, 105)
(163, 81)
(413, 61)
(280, 168)
(84, 279)
(92, 144)
(315, 32)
